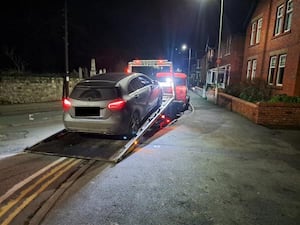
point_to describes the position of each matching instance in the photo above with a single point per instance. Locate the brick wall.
(283, 115)
(15, 90)
(247, 109)
(279, 114)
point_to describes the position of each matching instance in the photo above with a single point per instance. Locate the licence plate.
(88, 111)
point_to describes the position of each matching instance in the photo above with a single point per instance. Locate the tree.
(17, 60)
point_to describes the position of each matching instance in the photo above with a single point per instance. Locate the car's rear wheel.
(134, 124)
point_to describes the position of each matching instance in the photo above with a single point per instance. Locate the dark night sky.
(111, 31)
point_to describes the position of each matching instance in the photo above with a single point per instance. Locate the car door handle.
(137, 96)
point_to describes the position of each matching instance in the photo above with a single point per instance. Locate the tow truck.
(174, 84)
(150, 67)
(99, 147)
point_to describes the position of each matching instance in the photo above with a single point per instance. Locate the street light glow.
(184, 47)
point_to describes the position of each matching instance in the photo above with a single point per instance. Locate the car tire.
(134, 124)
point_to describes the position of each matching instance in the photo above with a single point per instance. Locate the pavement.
(17, 109)
(211, 167)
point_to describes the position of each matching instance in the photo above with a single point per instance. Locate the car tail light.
(66, 104)
(116, 105)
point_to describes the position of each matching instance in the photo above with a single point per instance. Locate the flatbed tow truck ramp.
(93, 146)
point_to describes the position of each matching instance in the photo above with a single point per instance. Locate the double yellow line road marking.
(49, 175)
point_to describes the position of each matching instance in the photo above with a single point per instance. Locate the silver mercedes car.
(111, 103)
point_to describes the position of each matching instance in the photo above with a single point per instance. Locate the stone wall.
(18, 89)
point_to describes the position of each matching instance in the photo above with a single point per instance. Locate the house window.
(253, 73)
(272, 68)
(284, 15)
(213, 77)
(228, 45)
(210, 54)
(253, 31)
(276, 70)
(256, 32)
(279, 20)
(251, 69)
(280, 73)
(227, 74)
(249, 65)
(288, 17)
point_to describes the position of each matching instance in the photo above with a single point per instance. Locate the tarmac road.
(211, 167)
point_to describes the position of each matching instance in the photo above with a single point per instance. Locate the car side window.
(144, 80)
(134, 85)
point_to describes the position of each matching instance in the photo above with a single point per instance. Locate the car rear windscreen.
(94, 93)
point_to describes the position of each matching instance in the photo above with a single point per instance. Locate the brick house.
(272, 46)
(230, 70)
(231, 51)
(207, 62)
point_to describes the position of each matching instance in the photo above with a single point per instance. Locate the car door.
(138, 96)
(150, 90)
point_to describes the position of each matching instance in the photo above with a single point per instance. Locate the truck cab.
(175, 84)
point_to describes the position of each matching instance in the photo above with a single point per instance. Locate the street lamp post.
(189, 64)
(219, 50)
(184, 47)
(66, 39)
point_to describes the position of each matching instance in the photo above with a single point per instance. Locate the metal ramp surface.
(79, 145)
